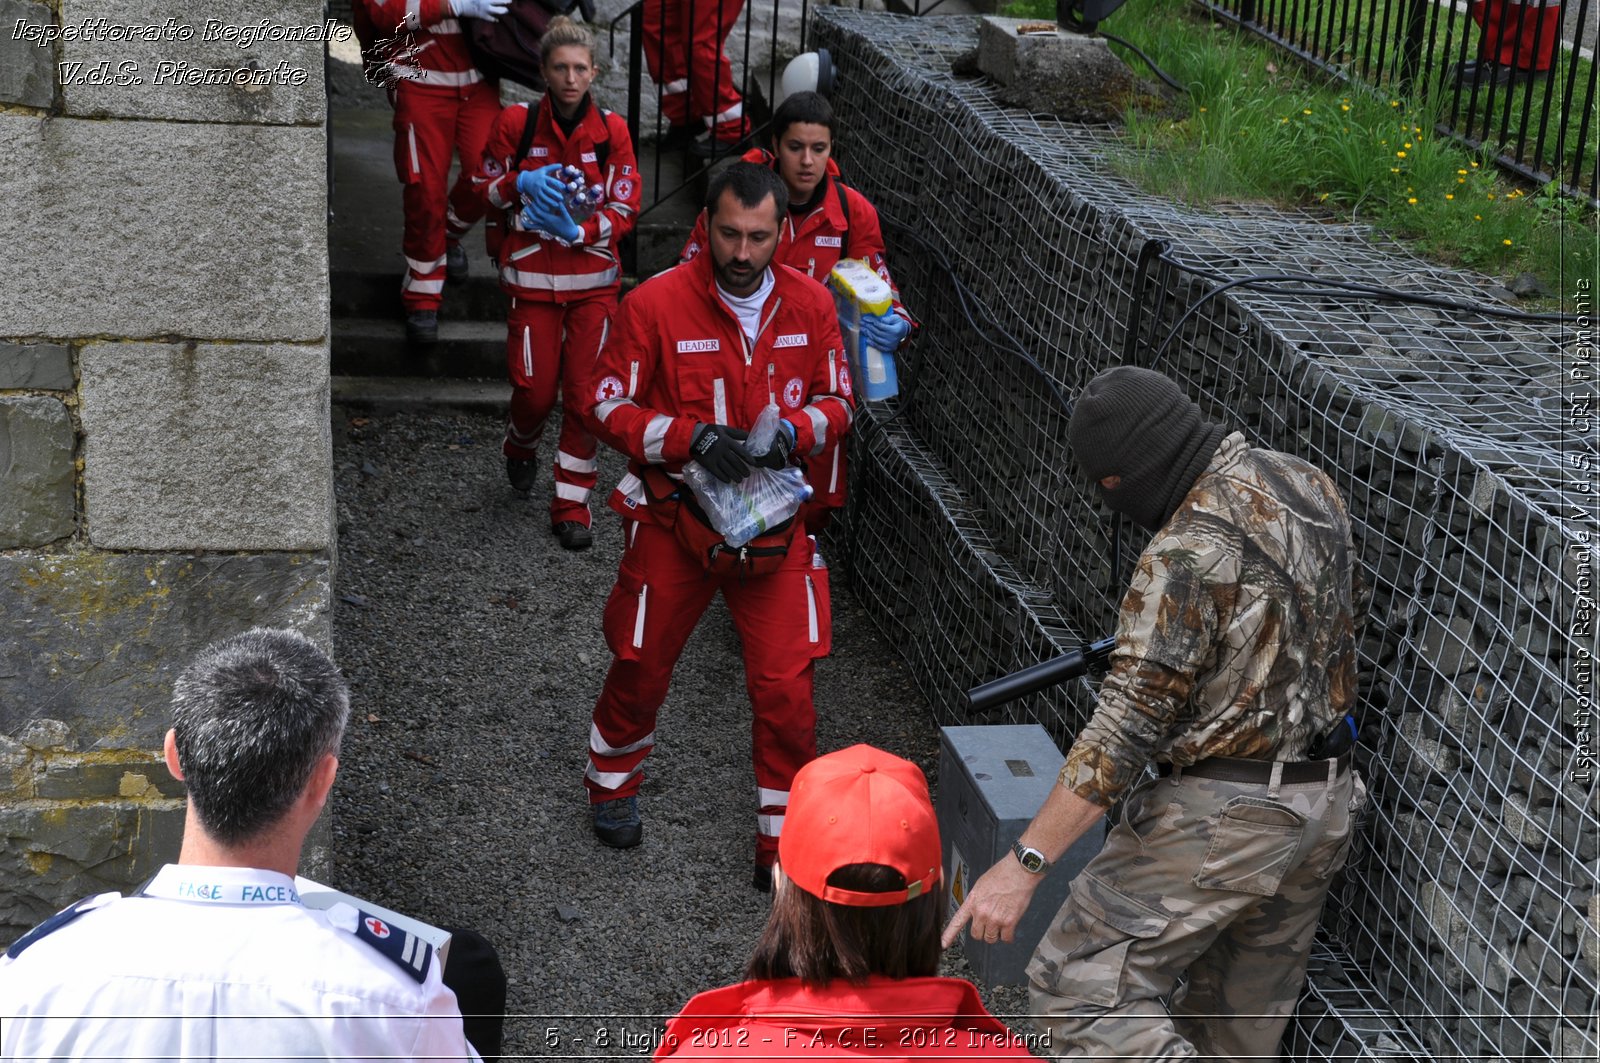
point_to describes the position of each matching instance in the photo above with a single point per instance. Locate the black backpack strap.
(525, 141)
(602, 150)
(844, 205)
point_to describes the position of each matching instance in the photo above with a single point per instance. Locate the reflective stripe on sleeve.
(819, 425)
(655, 438)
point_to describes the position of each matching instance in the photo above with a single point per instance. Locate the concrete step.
(374, 294)
(415, 394)
(376, 347)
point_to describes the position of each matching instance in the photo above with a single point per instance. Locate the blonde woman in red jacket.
(562, 273)
(846, 966)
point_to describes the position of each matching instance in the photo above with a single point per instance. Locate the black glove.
(777, 455)
(720, 451)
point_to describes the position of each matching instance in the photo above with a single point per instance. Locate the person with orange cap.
(847, 963)
(1235, 655)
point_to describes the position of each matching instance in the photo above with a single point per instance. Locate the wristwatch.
(1031, 859)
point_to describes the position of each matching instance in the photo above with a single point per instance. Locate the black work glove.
(720, 451)
(777, 455)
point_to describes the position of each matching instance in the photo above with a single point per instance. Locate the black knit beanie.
(1139, 425)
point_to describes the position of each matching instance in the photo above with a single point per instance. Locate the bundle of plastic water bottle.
(582, 200)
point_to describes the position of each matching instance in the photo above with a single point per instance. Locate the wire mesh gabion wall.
(1465, 925)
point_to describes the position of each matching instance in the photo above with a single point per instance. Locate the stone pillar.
(165, 468)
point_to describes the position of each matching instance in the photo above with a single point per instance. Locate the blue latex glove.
(489, 9)
(556, 222)
(885, 331)
(540, 185)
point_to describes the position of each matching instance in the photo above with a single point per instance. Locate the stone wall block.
(38, 366)
(139, 229)
(137, 621)
(27, 70)
(38, 490)
(52, 853)
(206, 78)
(206, 446)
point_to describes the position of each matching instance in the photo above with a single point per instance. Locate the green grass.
(1258, 126)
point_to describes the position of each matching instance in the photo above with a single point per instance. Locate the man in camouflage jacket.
(1187, 935)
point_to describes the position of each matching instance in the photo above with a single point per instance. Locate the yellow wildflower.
(1449, 195)
(1506, 242)
(1400, 154)
(1412, 200)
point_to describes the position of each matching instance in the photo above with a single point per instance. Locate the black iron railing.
(1534, 116)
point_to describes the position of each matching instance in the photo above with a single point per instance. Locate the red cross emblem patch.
(377, 927)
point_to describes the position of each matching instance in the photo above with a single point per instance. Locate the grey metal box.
(991, 782)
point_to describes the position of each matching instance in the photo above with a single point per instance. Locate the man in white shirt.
(216, 957)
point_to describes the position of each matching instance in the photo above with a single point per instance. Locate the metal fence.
(1464, 442)
(1533, 112)
(758, 38)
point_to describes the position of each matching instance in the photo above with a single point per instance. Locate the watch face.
(1030, 859)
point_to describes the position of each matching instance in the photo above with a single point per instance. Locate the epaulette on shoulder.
(59, 920)
(406, 950)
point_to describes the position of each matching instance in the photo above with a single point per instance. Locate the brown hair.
(817, 941)
(562, 32)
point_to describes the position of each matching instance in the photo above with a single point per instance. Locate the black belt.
(1233, 769)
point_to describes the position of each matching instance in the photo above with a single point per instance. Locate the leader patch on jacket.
(793, 393)
(698, 346)
(610, 388)
(793, 339)
(405, 949)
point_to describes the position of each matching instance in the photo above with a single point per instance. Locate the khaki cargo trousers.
(1218, 884)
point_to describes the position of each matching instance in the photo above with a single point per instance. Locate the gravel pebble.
(474, 645)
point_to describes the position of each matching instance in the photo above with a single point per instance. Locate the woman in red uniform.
(846, 965)
(561, 271)
(827, 221)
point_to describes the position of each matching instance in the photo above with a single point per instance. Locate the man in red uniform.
(695, 355)
(442, 105)
(827, 221)
(683, 49)
(563, 276)
(1519, 42)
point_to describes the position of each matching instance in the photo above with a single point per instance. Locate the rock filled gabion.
(1464, 927)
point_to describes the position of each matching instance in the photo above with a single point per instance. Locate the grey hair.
(252, 716)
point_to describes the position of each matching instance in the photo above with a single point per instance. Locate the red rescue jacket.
(421, 40)
(675, 357)
(827, 234)
(884, 1019)
(531, 266)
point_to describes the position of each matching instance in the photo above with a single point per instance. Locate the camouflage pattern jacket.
(1237, 635)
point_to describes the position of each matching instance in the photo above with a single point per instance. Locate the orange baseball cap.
(860, 806)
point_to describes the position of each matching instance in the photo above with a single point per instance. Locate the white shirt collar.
(222, 885)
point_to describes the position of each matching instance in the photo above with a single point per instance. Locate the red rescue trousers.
(1524, 36)
(683, 49)
(432, 123)
(784, 623)
(825, 472)
(551, 344)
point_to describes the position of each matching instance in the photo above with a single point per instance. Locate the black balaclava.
(1139, 425)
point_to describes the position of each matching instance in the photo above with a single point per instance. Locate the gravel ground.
(473, 645)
